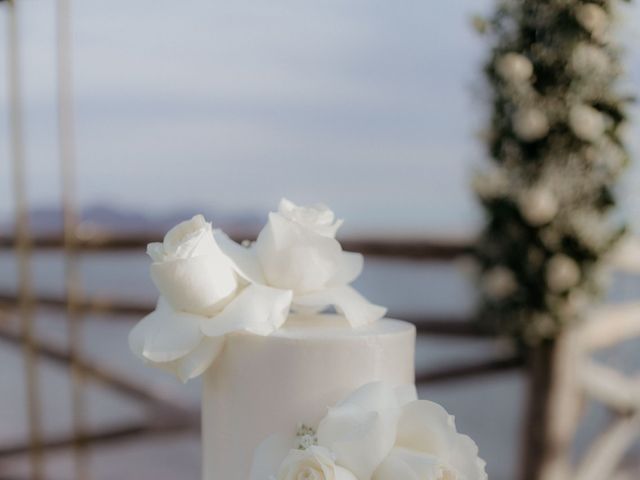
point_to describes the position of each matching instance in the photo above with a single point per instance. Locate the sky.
(369, 106)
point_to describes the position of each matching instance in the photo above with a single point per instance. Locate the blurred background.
(159, 110)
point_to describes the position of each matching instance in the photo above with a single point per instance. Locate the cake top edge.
(336, 326)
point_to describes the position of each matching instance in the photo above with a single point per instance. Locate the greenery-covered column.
(554, 139)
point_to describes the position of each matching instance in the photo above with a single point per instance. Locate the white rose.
(361, 429)
(586, 122)
(514, 67)
(297, 251)
(201, 301)
(428, 447)
(380, 432)
(314, 463)
(359, 432)
(190, 270)
(530, 124)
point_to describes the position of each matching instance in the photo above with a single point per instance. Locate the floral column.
(554, 140)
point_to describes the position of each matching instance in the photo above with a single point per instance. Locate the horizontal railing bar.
(433, 249)
(87, 305)
(459, 372)
(103, 436)
(457, 326)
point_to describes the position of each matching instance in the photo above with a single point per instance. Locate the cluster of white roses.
(377, 433)
(211, 286)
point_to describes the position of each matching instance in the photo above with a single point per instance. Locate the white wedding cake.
(291, 392)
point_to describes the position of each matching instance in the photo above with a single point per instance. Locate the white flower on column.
(589, 59)
(491, 184)
(538, 206)
(586, 122)
(297, 251)
(499, 282)
(314, 463)
(202, 299)
(562, 273)
(593, 19)
(514, 67)
(530, 124)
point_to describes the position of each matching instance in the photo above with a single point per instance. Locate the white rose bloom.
(201, 300)
(359, 432)
(378, 432)
(190, 270)
(514, 67)
(297, 251)
(586, 122)
(314, 463)
(530, 124)
(429, 447)
(361, 429)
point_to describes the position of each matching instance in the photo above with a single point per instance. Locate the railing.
(426, 324)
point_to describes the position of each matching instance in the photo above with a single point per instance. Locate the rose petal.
(257, 309)
(357, 309)
(156, 251)
(318, 218)
(361, 429)
(407, 465)
(406, 394)
(426, 427)
(296, 258)
(183, 239)
(465, 459)
(165, 335)
(198, 285)
(245, 260)
(197, 361)
(344, 474)
(349, 268)
(269, 455)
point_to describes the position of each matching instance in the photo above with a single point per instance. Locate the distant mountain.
(46, 221)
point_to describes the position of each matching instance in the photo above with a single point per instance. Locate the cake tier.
(264, 385)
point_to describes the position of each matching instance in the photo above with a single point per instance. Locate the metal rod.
(66, 140)
(459, 372)
(23, 244)
(96, 305)
(423, 249)
(426, 324)
(104, 436)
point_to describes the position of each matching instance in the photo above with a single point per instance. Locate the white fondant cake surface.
(262, 385)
